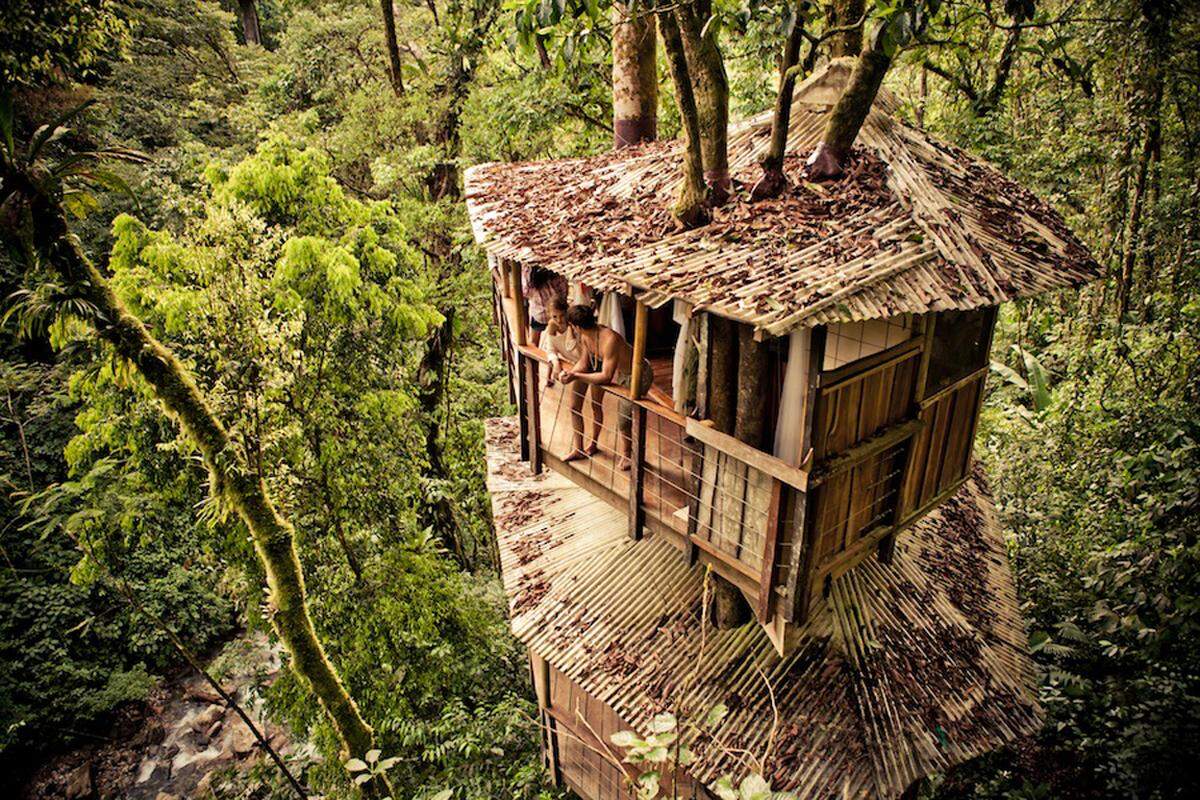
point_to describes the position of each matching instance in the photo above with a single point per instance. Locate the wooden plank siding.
(579, 738)
(941, 454)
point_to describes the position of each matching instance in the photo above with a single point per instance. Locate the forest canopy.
(248, 353)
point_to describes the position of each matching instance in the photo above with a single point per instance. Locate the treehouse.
(824, 355)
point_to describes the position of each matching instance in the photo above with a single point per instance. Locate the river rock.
(79, 782)
(207, 717)
(241, 740)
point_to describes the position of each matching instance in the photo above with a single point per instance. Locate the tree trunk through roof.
(729, 415)
(710, 86)
(634, 76)
(848, 115)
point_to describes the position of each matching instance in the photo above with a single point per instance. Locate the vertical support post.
(637, 447)
(540, 668)
(514, 284)
(930, 322)
(505, 338)
(695, 485)
(532, 367)
(766, 581)
(505, 278)
(804, 530)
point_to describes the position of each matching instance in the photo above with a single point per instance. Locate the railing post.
(695, 485)
(637, 447)
(535, 415)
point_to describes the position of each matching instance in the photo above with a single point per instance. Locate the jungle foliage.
(296, 237)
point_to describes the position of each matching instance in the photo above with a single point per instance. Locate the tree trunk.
(710, 86)
(990, 100)
(1157, 34)
(848, 115)
(750, 424)
(845, 14)
(691, 207)
(232, 478)
(722, 373)
(773, 181)
(634, 75)
(249, 14)
(435, 511)
(392, 45)
(730, 608)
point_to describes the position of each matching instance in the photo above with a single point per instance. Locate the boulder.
(204, 720)
(79, 782)
(241, 740)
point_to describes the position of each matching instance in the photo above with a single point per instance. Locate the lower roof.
(904, 670)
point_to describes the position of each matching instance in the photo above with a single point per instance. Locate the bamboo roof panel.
(904, 669)
(914, 225)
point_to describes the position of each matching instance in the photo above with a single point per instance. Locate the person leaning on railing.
(606, 359)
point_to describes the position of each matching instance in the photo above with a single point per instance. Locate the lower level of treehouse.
(900, 669)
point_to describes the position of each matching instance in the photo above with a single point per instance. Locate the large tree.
(36, 222)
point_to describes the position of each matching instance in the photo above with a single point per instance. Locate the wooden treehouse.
(886, 641)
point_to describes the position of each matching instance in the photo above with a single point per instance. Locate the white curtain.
(792, 399)
(610, 313)
(682, 314)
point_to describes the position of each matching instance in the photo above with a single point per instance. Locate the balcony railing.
(719, 500)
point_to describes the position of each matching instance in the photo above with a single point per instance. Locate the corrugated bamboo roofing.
(904, 670)
(916, 225)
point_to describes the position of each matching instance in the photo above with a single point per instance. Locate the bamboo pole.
(637, 447)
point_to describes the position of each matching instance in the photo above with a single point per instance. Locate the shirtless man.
(606, 359)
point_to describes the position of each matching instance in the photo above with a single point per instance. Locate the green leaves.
(752, 787)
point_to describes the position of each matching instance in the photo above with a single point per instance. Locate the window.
(960, 346)
(849, 341)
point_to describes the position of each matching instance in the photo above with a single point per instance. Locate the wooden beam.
(639, 351)
(522, 407)
(848, 459)
(970, 377)
(518, 297)
(695, 486)
(930, 325)
(863, 368)
(763, 462)
(766, 583)
(637, 471)
(803, 531)
(532, 367)
(505, 278)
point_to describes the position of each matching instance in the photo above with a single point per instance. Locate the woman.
(566, 350)
(541, 288)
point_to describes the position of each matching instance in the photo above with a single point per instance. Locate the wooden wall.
(577, 730)
(891, 438)
(940, 456)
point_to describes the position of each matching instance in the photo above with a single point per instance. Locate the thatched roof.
(906, 669)
(915, 225)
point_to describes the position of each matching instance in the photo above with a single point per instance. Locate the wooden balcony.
(884, 445)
